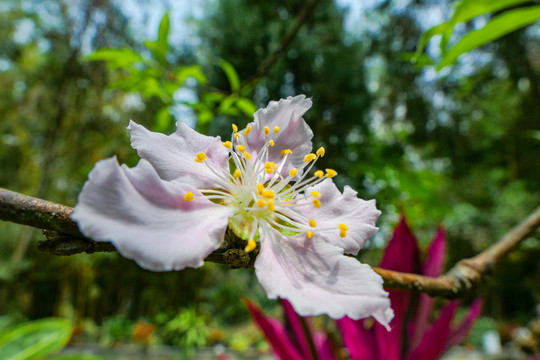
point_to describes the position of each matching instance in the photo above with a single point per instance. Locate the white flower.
(172, 209)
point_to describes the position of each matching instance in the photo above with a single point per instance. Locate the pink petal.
(317, 279)
(294, 133)
(173, 156)
(460, 333)
(433, 266)
(433, 342)
(358, 214)
(275, 333)
(147, 219)
(359, 341)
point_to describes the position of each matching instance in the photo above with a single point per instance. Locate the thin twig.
(64, 238)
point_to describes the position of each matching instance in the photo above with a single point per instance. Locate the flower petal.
(173, 156)
(317, 278)
(147, 219)
(358, 214)
(294, 133)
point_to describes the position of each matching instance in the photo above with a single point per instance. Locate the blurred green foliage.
(459, 146)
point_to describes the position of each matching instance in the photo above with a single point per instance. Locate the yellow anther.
(241, 148)
(247, 155)
(317, 203)
(268, 165)
(320, 152)
(310, 157)
(251, 245)
(261, 203)
(312, 223)
(247, 130)
(270, 205)
(272, 143)
(343, 227)
(316, 194)
(319, 174)
(188, 196)
(342, 234)
(227, 144)
(200, 157)
(293, 172)
(236, 135)
(234, 128)
(266, 130)
(237, 173)
(286, 151)
(268, 194)
(331, 173)
(309, 234)
(273, 164)
(260, 188)
(269, 171)
(276, 129)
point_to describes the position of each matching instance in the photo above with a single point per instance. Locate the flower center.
(262, 195)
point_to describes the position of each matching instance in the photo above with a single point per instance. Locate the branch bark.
(64, 238)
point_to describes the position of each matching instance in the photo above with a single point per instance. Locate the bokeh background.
(458, 147)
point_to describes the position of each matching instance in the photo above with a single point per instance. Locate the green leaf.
(34, 339)
(465, 10)
(76, 357)
(163, 120)
(163, 34)
(499, 26)
(194, 71)
(232, 75)
(115, 58)
(246, 106)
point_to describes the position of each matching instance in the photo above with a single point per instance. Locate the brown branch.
(273, 57)
(64, 238)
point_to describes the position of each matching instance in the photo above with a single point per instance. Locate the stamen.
(260, 188)
(227, 144)
(316, 194)
(237, 173)
(234, 128)
(317, 203)
(312, 223)
(319, 174)
(276, 129)
(270, 205)
(200, 157)
(343, 227)
(269, 171)
(310, 157)
(266, 130)
(247, 130)
(261, 203)
(309, 234)
(321, 152)
(188, 196)
(268, 194)
(330, 173)
(293, 172)
(241, 148)
(247, 155)
(251, 245)
(271, 143)
(286, 151)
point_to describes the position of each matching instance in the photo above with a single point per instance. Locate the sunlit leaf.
(76, 357)
(232, 75)
(34, 339)
(194, 71)
(115, 58)
(246, 106)
(163, 34)
(499, 26)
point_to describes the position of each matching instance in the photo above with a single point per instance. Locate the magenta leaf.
(294, 322)
(275, 333)
(461, 331)
(358, 340)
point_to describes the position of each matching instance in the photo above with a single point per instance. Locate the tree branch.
(64, 238)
